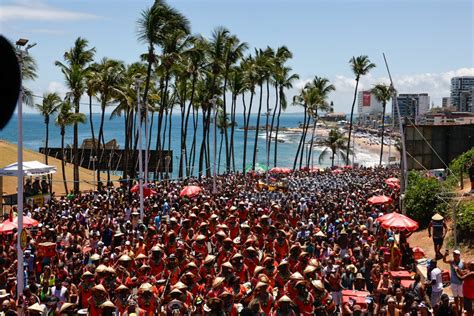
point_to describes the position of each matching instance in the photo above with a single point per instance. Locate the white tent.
(30, 168)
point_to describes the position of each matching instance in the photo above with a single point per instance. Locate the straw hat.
(285, 299)
(296, 276)
(125, 258)
(237, 256)
(261, 285)
(101, 268)
(200, 237)
(352, 268)
(309, 269)
(437, 217)
(176, 291)
(318, 285)
(99, 288)
(87, 274)
(217, 282)
(180, 286)
(36, 308)
(141, 256)
(107, 304)
(209, 259)
(320, 234)
(145, 287)
(65, 307)
(122, 288)
(95, 257)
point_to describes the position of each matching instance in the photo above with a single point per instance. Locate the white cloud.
(300, 83)
(38, 11)
(437, 85)
(57, 87)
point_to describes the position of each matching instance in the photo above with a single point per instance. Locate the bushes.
(465, 221)
(421, 198)
(459, 165)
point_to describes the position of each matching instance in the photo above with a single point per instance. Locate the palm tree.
(335, 145)
(223, 123)
(284, 81)
(250, 80)
(49, 106)
(361, 66)
(108, 75)
(323, 88)
(66, 117)
(28, 72)
(75, 71)
(383, 93)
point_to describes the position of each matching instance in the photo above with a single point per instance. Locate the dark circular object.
(9, 81)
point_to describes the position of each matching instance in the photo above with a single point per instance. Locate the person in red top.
(85, 289)
(121, 295)
(281, 277)
(284, 307)
(251, 259)
(264, 297)
(99, 296)
(468, 286)
(199, 245)
(303, 300)
(217, 287)
(172, 270)
(281, 246)
(156, 261)
(226, 252)
(147, 300)
(240, 269)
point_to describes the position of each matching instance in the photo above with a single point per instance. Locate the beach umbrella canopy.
(190, 190)
(380, 199)
(393, 185)
(400, 222)
(337, 171)
(27, 221)
(279, 170)
(146, 190)
(6, 227)
(386, 216)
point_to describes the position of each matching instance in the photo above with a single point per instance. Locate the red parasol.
(280, 170)
(27, 221)
(400, 222)
(337, 171)
(190, 191)
(7, 227)
(393, 185)
(146, 190)
(380, 199)
(386, 216)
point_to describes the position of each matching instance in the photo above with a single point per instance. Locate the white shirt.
(437, 275)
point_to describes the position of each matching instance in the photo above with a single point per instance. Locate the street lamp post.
(214, 107)
(138, 81)
(20, 44)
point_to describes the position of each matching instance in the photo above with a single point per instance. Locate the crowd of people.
(313, 247)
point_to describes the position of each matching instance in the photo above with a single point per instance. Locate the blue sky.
(426, 42)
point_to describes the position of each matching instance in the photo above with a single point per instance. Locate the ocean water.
(34, 138)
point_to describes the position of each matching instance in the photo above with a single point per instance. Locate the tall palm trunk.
(192, 153)
(246, 127)
(305, 132)
(301, 140)
(275, 158)
(384, 104)
(125, 151)
(267, 139)
(170, 155)
(92, 126)
(75, 147)
(333, 157)
(310, 151)
(350, 122)
(46, 150)
(186, 127)
(224, 108)
(232, 130)
(273, 122)
(101, 138)
(203, 150)
(220, 153)
(63, 131)
(164, 93)
(257, 127)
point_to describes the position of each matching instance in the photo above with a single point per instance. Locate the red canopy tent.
(399, 222)
(146, 190)
(7, 227)
(380, 199)
(190, 191)
(392, 180)
(337, 171)
(27, 221)
(279, 170)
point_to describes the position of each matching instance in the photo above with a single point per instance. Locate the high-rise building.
(446, 102)
(462, 90)
(368, 107)
(411, 105)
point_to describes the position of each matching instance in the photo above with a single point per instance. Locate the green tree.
(335, 145)
(49, 106)
(66, 117)
(383, 93)
(422, 198)
(74, 69)
(361, 65)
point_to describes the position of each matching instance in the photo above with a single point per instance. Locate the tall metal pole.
(20, 269)
(146, 144)
(403, 158)
(214, 106)
(140, 161)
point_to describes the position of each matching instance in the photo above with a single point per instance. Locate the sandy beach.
(9, 156)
